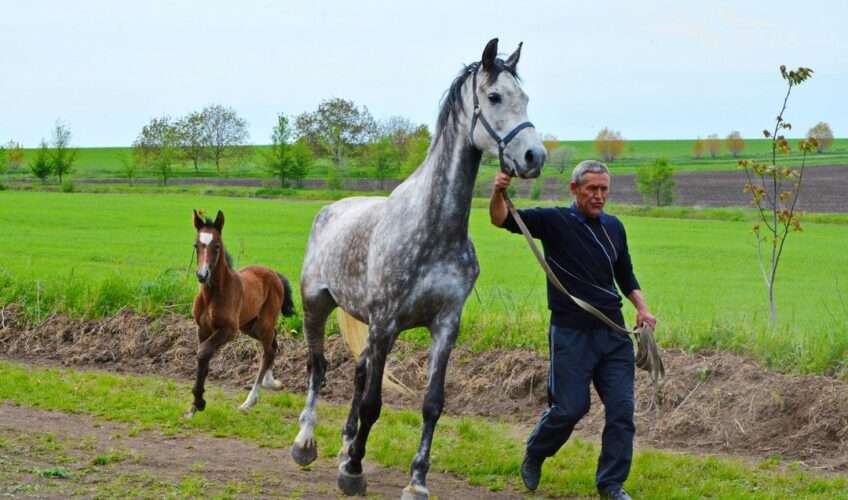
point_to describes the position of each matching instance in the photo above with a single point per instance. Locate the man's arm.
(643, 314)
(497, 206)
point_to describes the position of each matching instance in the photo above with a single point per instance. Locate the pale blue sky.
(649, 69)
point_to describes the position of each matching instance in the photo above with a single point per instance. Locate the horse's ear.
(512, 60)
(489, 54)
(198, 222)
(219, 221)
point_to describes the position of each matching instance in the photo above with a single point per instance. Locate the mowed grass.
(92, 255)
(110, 162)
(486, 453)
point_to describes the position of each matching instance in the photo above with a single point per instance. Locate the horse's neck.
(441, 189)
(222, 276)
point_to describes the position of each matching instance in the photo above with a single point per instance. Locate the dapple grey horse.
(406, 261)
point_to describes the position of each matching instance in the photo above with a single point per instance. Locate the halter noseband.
(502, 141)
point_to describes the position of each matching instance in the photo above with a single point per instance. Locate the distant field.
(108, 162)
(93, 254)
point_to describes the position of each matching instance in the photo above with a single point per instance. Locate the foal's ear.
(489, 54)
(198, 222)
(512, 60)
(219, 221)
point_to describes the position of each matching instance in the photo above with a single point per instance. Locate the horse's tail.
(355, 335)
(288, 304)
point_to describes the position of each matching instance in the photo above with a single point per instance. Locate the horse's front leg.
(351, 479)
(444, 333)
(205, 351)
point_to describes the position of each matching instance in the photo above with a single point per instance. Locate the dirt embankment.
(710, 402)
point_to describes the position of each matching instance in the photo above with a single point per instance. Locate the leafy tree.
(129, 167)
(285, 160)
(416, 151)
(14, 155)
(192, 138)
(609, 144)
(62, 159)
(655, 183)
(735, 143)
(561, 158)
(698, 148)
(4, 160)
(335, 128)
(823, 136)
(550, 142)
(224, 133)
(713, 145)
(774, 191)
(41, 164)
(157, 147)
(334, 179)
(384, 157)
(301, 161)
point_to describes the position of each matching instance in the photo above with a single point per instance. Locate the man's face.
(591, 195)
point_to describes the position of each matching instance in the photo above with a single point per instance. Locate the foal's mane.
(452, 105)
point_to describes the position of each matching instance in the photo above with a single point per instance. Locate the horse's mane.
(452, 105)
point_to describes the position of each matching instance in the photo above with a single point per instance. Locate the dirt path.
(712, 402)
(77, 441)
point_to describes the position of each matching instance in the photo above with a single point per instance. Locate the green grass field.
(109, 162)
(485, 453)
(91, 255)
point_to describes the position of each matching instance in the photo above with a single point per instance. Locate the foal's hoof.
(194, 409)
(415, 492)
(306, 454)
(351, 484)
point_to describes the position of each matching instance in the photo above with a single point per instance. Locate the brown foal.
(228, 301)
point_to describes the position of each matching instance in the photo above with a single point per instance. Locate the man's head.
(590, 183)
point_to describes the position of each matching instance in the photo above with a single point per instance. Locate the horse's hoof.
(351, 484)
(415, 492)
(306, 454)
(189, 413)
(276, 385)
(244, 408)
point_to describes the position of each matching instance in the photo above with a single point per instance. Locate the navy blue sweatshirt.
(587, 255)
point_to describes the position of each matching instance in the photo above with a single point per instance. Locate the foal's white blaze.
(205, 238)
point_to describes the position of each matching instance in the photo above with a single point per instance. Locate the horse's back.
(262, 289)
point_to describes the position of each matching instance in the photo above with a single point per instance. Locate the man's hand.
(645, 316)
(502, 181)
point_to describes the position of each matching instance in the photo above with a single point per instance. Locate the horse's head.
(499, 124)
(208, 244)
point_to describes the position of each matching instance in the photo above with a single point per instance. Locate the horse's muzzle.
(202, 274)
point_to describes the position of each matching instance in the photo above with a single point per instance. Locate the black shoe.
(615, 493)
(531, 471)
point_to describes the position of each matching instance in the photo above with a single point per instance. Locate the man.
(587, 249)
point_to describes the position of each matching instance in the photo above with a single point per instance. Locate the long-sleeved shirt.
(587, 255)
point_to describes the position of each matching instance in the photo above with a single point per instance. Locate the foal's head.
(208, 244)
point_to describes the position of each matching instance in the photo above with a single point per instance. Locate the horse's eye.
(494, 98)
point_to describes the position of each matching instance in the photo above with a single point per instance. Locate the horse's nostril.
(529, 157)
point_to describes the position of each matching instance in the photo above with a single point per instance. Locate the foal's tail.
(355, 335)
(288, 303)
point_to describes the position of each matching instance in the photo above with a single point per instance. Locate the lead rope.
(647, 353)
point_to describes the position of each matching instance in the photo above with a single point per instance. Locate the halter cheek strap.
(502, 141)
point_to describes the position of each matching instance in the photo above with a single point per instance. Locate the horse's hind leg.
(266, 335)
(316, 308)
(444, 335)
(351, 478)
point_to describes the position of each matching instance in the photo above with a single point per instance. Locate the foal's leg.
(316, 308)
(267, 337)
(269, 382)
(351, 479)
(444, 335)
(205, 351)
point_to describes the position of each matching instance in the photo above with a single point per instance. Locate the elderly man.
(587, 249)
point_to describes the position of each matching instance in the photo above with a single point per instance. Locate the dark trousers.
(578, 358)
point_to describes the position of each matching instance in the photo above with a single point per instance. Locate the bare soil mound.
(710, 402)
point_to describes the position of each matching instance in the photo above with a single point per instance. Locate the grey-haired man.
(587, 249)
